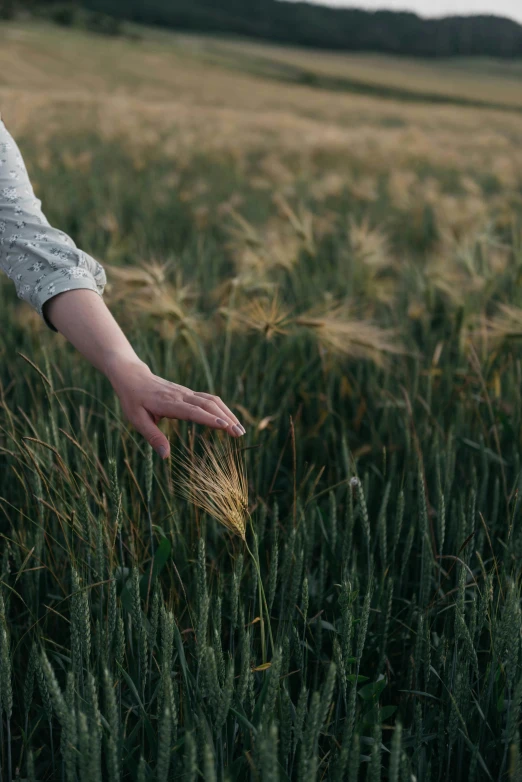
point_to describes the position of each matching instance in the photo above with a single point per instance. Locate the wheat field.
(339, 598)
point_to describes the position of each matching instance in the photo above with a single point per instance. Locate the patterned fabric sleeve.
(41, 260)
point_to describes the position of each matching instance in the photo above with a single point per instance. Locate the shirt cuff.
(57, 283)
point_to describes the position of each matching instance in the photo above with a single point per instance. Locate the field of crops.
(344, 270)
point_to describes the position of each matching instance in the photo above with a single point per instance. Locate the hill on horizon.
(342, 29)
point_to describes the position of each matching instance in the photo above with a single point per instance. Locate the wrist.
(118, 364)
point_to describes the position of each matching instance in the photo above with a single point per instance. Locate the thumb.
(145, 425)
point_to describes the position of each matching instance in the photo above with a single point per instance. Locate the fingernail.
(242, 428)
(238, 430)
(221, 422)
(162, 451)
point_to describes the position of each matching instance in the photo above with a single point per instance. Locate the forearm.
(82, 317)
(86, 322)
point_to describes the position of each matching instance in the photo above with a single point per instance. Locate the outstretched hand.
(82, 317)
(146, 399)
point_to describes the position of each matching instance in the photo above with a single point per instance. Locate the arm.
(41, 260)
(85, 321)
(64, 285)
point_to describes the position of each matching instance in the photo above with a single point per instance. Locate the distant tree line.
(305, 24)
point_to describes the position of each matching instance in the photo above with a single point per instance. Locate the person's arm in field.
(82, 317)
(65, 285)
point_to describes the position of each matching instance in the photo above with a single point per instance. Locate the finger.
(145, 425)
(187, 412)
(208, 404)
(219, 402)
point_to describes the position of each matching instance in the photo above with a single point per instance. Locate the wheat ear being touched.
(215, 481)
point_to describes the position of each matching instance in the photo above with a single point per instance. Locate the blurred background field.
(332, 243)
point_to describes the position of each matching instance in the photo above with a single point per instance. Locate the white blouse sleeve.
(41, 260)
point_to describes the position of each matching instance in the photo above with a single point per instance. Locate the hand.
(82, 317)
(146, 398)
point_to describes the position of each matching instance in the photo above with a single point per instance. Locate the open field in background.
(345, 271)
(452, 80)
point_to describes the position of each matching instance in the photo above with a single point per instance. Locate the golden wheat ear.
(215, 481)
(342, 333)
(264, 315)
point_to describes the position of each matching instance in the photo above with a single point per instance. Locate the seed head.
(215, 481)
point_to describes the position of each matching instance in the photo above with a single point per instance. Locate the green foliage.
(73, 15)
(130, 640)
(306, 24)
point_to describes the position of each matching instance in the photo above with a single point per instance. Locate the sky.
(509, 8)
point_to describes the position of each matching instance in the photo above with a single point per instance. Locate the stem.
(2, 743)
(196, 345)
(122, 560)
(52, 745)
(264, 603)
(263, 644)
(152, 552)
(9, 761)
(228, 339)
